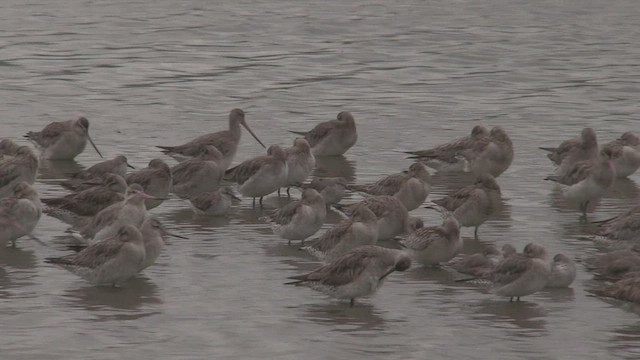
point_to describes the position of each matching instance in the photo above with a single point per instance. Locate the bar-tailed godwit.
(225, 141)
(332, 138)
(63, 140)
(358, 273)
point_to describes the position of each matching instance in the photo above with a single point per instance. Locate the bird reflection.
(558, 295)
(335, 166)
(132, 295)
(18, 258)
(523, 314)
(187, 216)
(623, 189)
(58, 169)
(624, 341)
(345, 318)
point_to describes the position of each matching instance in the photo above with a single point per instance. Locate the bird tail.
(549, 149)
(302, 133)
(57, 261)
(356, 187)
(434, 205)
(298, 279)
(554, 178)
(165, 149)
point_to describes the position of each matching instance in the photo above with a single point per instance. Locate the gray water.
(413, 73)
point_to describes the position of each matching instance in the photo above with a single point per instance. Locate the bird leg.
(352, 302)
(278, 192)
(261, 201)
(518, 298)
(511, 299)
(475, 233)
(288, 193)
(254, 202)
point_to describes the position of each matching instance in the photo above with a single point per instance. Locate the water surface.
(413, 73)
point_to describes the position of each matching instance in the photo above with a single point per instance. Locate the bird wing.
(284, 215)
(445, 152)
(8, 174)
(580, 171)
(49, 134)
(320, 132)
(389, 185)
(340, 272)
(457, 198)
(377, 205)
(87, 202)
(101, 219)
(247, 169)
(422, 238)
(205, 200)
(94, 255)
(510, 269)
(142, 177)
(331, 237)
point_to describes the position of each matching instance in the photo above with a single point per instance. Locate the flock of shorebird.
(108, 208)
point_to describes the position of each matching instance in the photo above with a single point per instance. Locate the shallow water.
(413, 73)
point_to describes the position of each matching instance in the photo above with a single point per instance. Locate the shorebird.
(358, 273)
(613, 265)
(563, 272)
(156, 180)
(361, 229)
(153, 234)
(334, 137)
(599, 262)
(627, 289)
(22, 167)
(117, 165)
(478, 265)
(587, 180)
(225, 141)
(490, 155)
(216, 203)
(63, 140)
(332, 189)
(587, 150)
(19, 213)
(618, 229)
(107, 262)
(393, 218)
(577, 149)
(262, 175)
(449, 156)
(300, 163)
(625, 154)
(433, 245)
(106, 223)
(473, 204)
(300, 219)
(410, 187)
(521, 274)
(198, 175)
(86, 203)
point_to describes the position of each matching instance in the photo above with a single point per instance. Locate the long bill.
(94, 145)
(252, 134)
(387, 273)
